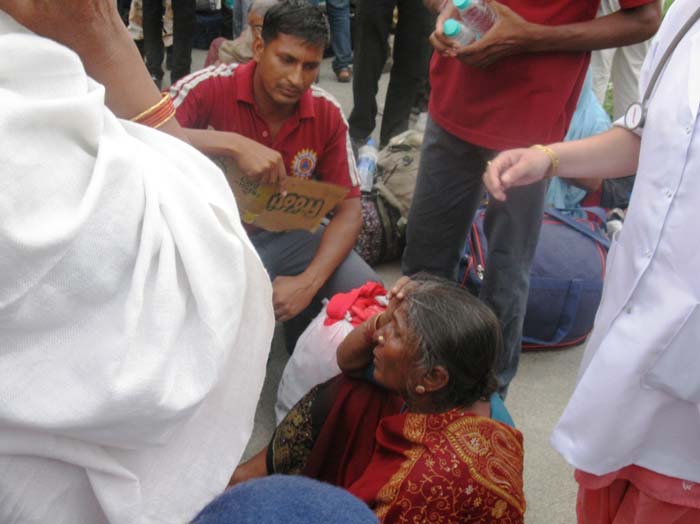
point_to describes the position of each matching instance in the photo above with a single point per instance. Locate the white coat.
(638, 396)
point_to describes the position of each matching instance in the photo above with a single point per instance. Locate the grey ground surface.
(537, 396)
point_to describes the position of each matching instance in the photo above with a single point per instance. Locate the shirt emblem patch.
(304, 163)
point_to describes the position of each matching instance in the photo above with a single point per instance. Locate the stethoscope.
(636, 113)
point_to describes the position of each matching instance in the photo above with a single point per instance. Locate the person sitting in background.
(240, 49)
(267, 117)
(135, 315)
(424, 437)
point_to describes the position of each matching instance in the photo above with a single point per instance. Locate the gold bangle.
(553, 157)
(376, 321)
(164, 99)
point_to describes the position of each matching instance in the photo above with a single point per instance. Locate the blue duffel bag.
(566, 277)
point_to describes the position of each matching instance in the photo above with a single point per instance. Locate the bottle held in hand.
(476, 15)
(459, 32)
(367, 165)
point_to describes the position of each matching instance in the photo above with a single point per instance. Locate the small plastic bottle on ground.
(367, 165)
(458, 32)
(476, 15)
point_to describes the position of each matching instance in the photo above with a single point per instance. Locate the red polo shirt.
(521, 100)
(314, 141)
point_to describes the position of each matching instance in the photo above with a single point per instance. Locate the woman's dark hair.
(296, 18)
(457, 331)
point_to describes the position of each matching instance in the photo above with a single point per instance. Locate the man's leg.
(240, 16)
(447, 195)
(373, 22)
(290, 253)
(153, 38)
(412, 51)
(183, 30)
(512, 230)
(339, 19)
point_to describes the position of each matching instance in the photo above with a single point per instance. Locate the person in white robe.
(135, 316)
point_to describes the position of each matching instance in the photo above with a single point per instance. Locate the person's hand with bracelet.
(520, 167)
(94, 30)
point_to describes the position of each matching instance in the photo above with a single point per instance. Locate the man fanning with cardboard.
(268, 118)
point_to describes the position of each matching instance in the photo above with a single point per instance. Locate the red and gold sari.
(452, 467)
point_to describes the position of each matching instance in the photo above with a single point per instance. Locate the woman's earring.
(420, 389)
(380, 339)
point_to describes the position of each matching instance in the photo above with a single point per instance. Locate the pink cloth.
(213, 53)
(360, 303)
(635, 495)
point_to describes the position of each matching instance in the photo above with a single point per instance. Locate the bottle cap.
(451, 28)
(461, 4)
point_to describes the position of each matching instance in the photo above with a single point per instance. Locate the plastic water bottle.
(459, 32)
(476, 15)
(367, 164)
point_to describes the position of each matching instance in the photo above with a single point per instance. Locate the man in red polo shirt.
(270, 119)
(517, 86)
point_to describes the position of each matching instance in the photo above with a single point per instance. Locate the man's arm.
(253, 159)
(194, 103)
(513, 35)
(291, 295)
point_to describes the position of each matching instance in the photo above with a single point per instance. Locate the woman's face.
(395, 355)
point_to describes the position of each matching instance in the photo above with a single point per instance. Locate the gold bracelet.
(155, 108)
(553, 157)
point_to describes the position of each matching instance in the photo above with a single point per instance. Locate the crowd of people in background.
(137, 309)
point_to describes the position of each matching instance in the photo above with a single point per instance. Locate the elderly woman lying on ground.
(418, 438)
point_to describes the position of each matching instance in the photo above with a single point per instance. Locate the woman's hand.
(94, 30)
(78, 24)
(354, 353)
(516, 167)
(395, 295)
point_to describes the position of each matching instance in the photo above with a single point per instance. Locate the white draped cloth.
(135, 316)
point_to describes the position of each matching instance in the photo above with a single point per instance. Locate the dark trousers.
(183, 30)
(290, 253)
(412, 52)
(447, 195)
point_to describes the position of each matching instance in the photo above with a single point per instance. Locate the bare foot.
(254, 468)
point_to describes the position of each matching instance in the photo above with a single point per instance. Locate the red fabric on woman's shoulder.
(346, 441)
(462, 467)
(412, 467)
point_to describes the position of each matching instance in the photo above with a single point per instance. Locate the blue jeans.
(448, 192)
(240, 16)
(338, 12)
